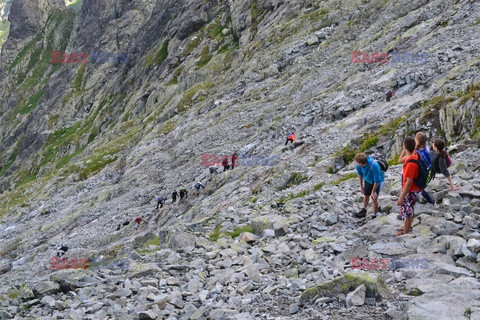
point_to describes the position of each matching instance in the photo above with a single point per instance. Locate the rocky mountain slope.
(87, 146)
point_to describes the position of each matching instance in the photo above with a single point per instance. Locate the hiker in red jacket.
(291, 137)
(225, 163)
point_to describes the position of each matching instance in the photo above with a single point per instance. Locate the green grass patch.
(167, 127)
(159, 57)
(317, 14)
(318, 186)
(215, 235)
(186, 100)
(193, 44)
(10, 162)
(394, 160)
(33, 101)
(205, 57)
(296, 178)
(239, 230)
(345, 178)
(176, 74)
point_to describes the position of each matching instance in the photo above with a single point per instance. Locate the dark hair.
(440, 145)
(409, 143)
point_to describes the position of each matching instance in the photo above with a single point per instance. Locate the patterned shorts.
(407, 208)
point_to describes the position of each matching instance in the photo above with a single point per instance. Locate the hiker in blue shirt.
(371, 179)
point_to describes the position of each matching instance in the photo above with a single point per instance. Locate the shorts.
(368, 188)
(407, 208)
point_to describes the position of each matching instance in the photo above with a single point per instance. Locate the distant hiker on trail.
(410, 189)
(291, 137)
(371, 178)
(183, 192)
(441, 161)
(421, 147)
(160, 201)
(138, 221)
(234, 160)
(174, 196)
(213, 171)
(197, 187)
(126, 223)
(389, 94)
(62, 250)
(225, 163)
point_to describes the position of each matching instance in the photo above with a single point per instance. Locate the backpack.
(448, 160)
(425, 172)
(381, 161)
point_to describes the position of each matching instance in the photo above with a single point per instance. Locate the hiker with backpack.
(197, 187)
(183, 192)
(160, 202)
(421, 147)
(291, 137)
(441, 160)
(225, 163)
(174, 196)
(371, 177)
(389, 94)
(414, 179)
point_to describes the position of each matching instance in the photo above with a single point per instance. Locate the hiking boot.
(361, 214)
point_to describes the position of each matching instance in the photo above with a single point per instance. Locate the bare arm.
(452, 186)
(402, 156)
(405, 191)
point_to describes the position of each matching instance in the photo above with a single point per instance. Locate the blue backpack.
(425, 173)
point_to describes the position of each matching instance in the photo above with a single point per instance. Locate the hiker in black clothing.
(213, 170)
(174, 196)
(234, 160)
(183, 193)
(225, 163)
(389, 94)
(126, 223)
(63, 249)
(160, 201)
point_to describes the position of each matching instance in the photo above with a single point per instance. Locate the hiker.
(441, 161)
(197, 187)
(183, 193)
(213, 171)
(63, 249)
(174, 196)
(291, 137)
(410, 189)
(421, 147)
(138, 221)
(126, 223)
(371, 178)
(225, 163)
(160, 201)
(234, 159)
(389, 94)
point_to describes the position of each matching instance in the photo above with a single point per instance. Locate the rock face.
(168, 89)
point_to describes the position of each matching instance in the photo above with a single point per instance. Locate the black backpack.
(381, 161)
(424, 172)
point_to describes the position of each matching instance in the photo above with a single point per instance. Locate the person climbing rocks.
(197, 187)
(291, 137)
(421, 147)
(234, 160)
(160, 201)
(126, 223)
(410, 190)
(441, 162)
(62, 250)
(389, 94)
(138, 221)
(174, 196)
(183, 192)
(371, 178)
(225, 163)
(213, 171)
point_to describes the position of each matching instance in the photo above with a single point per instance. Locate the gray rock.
(474, 245)
(147, 315)
(47, 300)
(357, 297)
(313, 40)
